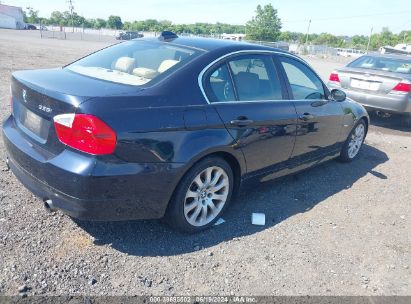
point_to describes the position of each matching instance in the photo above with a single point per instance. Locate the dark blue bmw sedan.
(172, 127)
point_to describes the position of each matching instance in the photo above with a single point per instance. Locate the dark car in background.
(129, 35)
(31, 27)
(381, 83)
(172, 127)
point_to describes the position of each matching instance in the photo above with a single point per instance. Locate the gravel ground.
(338, 229)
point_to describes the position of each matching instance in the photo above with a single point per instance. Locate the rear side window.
(383, 64)
(303, 81)
(245, 78)
(220, 85)
(134, 62)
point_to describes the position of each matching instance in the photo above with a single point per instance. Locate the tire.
(406, 120)
(196, 204)
(354, 142)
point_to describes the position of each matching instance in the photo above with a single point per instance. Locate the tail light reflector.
(334, 77)
(402, 87)
(86, 133)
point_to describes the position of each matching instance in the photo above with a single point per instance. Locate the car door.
(319, 119)
(247, 93)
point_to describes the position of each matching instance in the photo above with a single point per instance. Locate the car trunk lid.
(40, 95)
(370, 81)
(34, 109)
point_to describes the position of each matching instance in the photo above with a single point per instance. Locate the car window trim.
(230, 72)
(283, 77)
(225, 58)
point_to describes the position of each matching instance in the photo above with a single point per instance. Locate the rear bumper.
(89, 188)
(390, 103)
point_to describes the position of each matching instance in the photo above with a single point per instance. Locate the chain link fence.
(109, 35)
(79, 33)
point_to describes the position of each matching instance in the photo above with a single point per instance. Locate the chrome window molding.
(250, 51)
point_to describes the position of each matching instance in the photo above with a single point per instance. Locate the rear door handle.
(306, 116)
(241, 122)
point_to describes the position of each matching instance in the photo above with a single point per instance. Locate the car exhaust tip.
(7, 164)
(49, 206)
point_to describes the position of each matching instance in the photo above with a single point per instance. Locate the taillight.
(86, 133)
(402, 87)
(334, 77)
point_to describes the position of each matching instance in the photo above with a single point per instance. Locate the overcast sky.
(347, 17)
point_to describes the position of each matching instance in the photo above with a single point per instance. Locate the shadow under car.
(279, 200)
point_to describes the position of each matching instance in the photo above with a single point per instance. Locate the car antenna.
(167, 35)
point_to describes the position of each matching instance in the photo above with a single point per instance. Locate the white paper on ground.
(219, 221)
(258, 219)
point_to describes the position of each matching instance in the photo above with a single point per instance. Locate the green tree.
(165, 25)
(31, 16)
(99, 23)
(291, 36)
(265, 26)
(127, 25)
(114, 22)
(404, 37)
(359, 42)
(326, 39)
(56, 18)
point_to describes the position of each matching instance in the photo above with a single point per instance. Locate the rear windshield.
(134, 62)
(395, 65)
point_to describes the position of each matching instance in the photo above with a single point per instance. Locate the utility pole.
(306, 38)
(308, 31)
(369, 40)
(71, 9)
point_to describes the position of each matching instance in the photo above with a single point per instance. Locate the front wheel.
(201, 196)
(354, 142)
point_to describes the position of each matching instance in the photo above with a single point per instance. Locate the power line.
(350, 17)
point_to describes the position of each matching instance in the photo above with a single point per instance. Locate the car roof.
(211, 44)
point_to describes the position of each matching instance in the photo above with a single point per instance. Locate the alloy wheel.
(206, 196)
(356, 141)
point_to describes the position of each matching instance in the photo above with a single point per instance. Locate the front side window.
(304, 83)
(255, 78)
(134, 62)
(245, 78)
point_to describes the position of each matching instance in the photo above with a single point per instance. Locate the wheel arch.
(366, 120)
(237, 166)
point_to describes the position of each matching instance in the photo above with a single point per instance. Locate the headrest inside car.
(124, 64)
(167, 64)
(248, 84)
(145, 72)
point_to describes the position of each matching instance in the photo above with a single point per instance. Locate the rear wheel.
(202, 195)
(406, 120)
(354, 142)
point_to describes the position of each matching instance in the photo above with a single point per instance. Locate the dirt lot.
(338, 229)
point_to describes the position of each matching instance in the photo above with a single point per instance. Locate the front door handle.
(241, 122)
(306, 116)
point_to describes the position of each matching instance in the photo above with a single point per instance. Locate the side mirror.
(337, 95)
